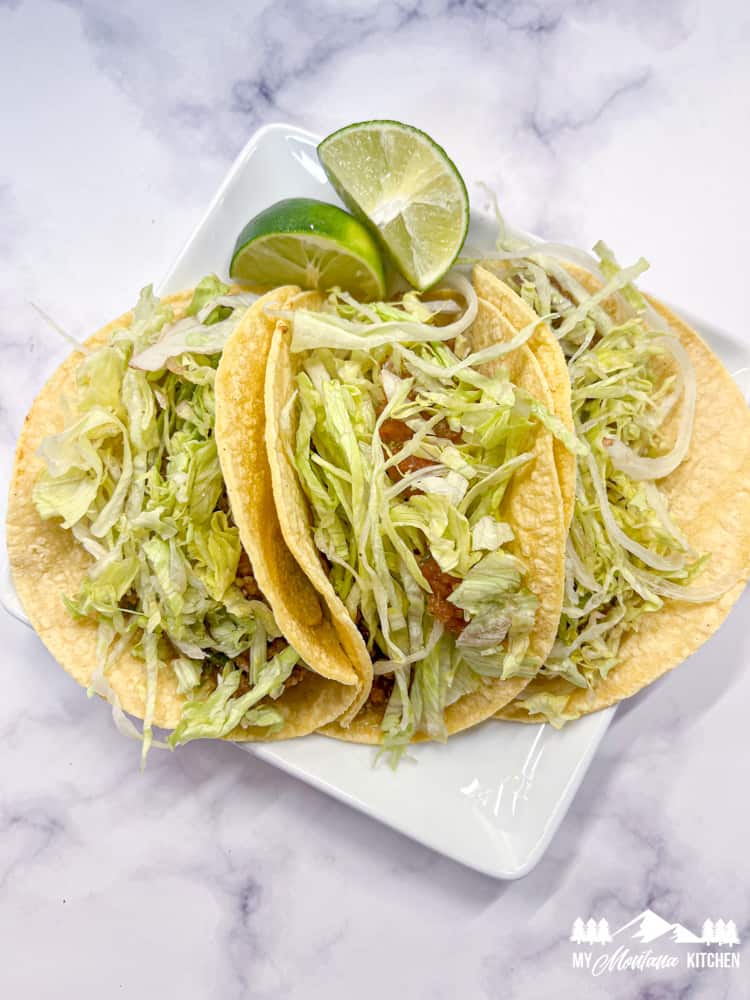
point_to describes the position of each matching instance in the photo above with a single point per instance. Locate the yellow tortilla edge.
(715, 518)
(46, 562)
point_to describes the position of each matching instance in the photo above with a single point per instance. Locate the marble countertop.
(212, 874)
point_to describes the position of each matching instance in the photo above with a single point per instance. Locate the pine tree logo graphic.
(720, 932)
(590, 932)
(649, 926)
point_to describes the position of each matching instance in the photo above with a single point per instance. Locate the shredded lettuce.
(625, 553)
(206, 291)
(553, 707)
(224, 709)
(405, 452)
(210, 319)
(136, 477)
(352, 325)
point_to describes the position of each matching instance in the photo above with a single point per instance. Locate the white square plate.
(493, 797)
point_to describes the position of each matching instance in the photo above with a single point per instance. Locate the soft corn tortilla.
(548, 353)
(46, 563)
(709, 498)
(533, 508)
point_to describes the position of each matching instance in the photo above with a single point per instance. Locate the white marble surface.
(212, 874)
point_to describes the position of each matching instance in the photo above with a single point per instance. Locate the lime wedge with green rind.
(301, 241)
(403, 184)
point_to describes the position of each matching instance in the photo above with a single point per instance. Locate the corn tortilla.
(709, 498)
(47, 562)
(548, 353)
(533, 507)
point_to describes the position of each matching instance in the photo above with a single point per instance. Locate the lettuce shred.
(625, 553)
(405, 452)
(135, 477)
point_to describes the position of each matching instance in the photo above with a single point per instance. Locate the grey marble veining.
(212, 874)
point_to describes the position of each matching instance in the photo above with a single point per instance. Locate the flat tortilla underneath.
(709, 498)
(47, 562)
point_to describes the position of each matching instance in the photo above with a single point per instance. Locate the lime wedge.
(400, 181)
(305, 242)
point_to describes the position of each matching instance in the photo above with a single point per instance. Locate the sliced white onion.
(652, 421)
(656, 321)
(639, 584)
(541, 249)
(659, 507)
(311, 330)
(618, 536)
(678, 592)
(639, 467)
(443, 306)
(580, 572)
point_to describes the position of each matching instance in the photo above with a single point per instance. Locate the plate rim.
(237, 164)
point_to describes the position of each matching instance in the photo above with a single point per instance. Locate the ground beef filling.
(412, 463)
(443, 430)
(397, 432)
(438, 603)
(242, 663)
(297, 675)
(245, 580)
(442, 584)
(393, 434)
(380, 692)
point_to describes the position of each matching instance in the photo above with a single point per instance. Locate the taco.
(544, 346)
(125, 550)
(659, 544)
(240, 439)
(413, 473)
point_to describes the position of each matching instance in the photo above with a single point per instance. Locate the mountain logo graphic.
(648, 926)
